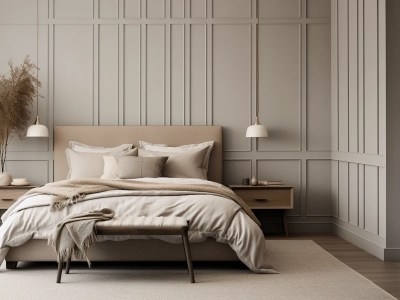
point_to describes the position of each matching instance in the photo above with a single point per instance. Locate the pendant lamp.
(37, 129)
(257, 130)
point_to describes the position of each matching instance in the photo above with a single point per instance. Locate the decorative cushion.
(139, 167)
(180, 165)
(172, 151)
(89, 165)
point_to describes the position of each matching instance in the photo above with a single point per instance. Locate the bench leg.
(188, 255)
(11, 265)
(68, 265)
(60, 267)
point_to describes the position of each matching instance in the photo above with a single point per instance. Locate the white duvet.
(210, 216)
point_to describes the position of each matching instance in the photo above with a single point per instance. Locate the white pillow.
(181, 149)
(77, 146)
(89, 165)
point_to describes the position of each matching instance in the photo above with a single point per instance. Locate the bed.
(138, 249)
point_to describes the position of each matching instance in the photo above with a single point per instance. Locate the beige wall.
(181, 62)
(359, 122)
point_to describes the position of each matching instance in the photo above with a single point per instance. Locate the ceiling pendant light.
(257, 130)
(37, 129)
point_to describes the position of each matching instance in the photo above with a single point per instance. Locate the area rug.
(306, 271)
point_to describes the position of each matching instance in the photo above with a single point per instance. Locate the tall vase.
(5, 179)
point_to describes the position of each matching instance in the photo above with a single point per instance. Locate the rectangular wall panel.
(318, 88)
(232, 8)
(334, 77)
(318, 8)
(198, 70)
(288, 171)
(343, 73)
(36, 171)
(155, 75)
(108, 9)
(74, 9)
(73, 75)
(371, 76)
(353, 194)
(18, 11)
(371, 199)
(353, 77)
(319, 177)
(344, 191)
(198, 8)
(276, 9)
(279, 86)
(178, 9)
(231, 83)
(177, 74)
(235, 170)
(382, 62)
(132, 77)
(361, 196)
(360, 61)
(335, 188)
(18, 41)
(108, 74)
(382, 203)
(132, 9)
(155, 9)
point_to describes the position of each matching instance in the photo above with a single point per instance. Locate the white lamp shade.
(37, 130)
(257, 131)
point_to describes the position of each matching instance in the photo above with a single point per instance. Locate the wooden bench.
(142, 226)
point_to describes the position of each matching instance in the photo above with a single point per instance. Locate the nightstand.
(9, 194)
(279, 197)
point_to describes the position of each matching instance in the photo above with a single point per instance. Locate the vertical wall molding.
(362, 87)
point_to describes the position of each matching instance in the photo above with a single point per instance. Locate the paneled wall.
(359, 121)
(187, 62)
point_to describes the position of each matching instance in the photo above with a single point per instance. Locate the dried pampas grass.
(17, 92)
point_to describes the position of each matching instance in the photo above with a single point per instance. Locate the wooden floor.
(384, 274)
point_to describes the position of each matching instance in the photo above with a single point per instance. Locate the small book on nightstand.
(270, 182)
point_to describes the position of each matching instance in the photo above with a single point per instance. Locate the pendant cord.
(37, 57)
(257, 71)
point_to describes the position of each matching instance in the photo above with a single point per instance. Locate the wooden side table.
(9, 194)
(279, 197)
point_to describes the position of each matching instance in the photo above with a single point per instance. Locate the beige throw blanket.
(68, 192)
(75, 234)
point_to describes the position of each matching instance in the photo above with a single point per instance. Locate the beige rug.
(306, 272)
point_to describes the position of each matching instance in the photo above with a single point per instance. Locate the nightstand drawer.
(8, 195)
(267, 198)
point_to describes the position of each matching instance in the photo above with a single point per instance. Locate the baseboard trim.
(359, 241)
(320, 227)
(392, 254)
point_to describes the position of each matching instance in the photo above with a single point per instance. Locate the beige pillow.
(182, 149)
(110, 170)
(180, 165)
(80, 147)
(89, 165)
(139, 167)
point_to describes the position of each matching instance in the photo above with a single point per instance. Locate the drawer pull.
(7, 199)
(261, 199)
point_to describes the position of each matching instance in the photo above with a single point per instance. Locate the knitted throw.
(68, 192)
(75, 234)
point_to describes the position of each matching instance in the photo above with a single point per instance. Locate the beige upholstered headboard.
(109, 136)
